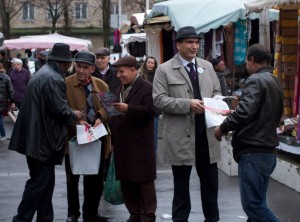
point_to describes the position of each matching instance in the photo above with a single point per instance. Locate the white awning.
(135, 37)
(203, 15)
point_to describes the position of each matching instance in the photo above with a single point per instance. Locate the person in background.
(6, 60)
(147, 72)
(6, 97)
(104, 70)
(40, 60)
(179, 87)
(133, 142)
(24, 60)
(19, 79)
(81, 93)
(219, 67)
(40, 133)
(254, 123)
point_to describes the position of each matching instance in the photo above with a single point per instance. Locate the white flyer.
(86, 134)
(215, 109)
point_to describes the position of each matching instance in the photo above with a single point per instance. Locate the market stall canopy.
(135, 37)
(259, 5)
(138, 18)
(46, 42)
(204, 15)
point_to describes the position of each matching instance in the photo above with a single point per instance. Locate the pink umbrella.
(46, 42)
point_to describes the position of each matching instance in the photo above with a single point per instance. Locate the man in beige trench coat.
(178, 90)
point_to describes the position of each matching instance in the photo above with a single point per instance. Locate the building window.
(114, 9)
(81, 10)
(28, 11)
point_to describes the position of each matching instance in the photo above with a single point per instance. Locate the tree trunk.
(67, 29)
(106, 22)
(5, 20)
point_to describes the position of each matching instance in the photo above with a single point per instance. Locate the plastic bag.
(112, 187)
(84, 158)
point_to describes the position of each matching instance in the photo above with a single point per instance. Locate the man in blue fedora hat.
(179, 87)
(39, 133)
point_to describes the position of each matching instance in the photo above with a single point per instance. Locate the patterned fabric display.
(241, 40)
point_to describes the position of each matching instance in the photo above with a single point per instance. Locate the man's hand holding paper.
(216, 111)
(86, 134)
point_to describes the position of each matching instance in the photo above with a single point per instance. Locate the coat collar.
(134, 89)
(177, 64)
(77, 83)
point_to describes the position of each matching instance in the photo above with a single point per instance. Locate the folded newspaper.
(87, 134)
(215, 109)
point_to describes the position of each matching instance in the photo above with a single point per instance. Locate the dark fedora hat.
(186, 32)
(60, 52)
(85, 57)
(128, 61)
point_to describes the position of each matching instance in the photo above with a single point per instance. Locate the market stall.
(214, 20)
(286, 68)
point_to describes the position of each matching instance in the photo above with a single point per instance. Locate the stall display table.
(287, 169)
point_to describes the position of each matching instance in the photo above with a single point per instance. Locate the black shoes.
(96, 219)
(72, 219)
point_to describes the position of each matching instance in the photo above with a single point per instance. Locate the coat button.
(188, 136)
(188, 91)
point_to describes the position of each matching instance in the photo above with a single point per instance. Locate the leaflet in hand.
(215, 109)
(108, 99)
(87, 134)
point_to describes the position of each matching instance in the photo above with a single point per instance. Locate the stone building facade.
(85, 19)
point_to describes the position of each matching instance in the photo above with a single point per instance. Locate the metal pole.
(147, 5)
(120, 14)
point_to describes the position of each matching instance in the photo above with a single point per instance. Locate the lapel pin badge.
(200, 70)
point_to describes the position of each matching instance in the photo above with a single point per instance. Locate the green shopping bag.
(112, 187)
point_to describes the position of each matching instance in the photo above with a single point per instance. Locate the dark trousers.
(37, 195)
(140, 200)
(208, 174)
(92, 192)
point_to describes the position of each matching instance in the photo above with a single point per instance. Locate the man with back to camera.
(104, 70)
(254, 123)
(39, 133)
(178, 88)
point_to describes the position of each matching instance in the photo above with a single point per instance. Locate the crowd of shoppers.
(51, 105)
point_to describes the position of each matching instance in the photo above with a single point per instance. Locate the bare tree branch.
(9, 9)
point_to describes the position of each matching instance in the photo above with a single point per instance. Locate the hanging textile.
(286, 58)
(117, 48)
(229, 44)
(297, 78)
(240, 42)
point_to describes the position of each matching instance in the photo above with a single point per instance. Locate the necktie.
(192, 71)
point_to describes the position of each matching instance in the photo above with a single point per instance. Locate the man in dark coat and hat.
(133, 142)
(39, 133)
